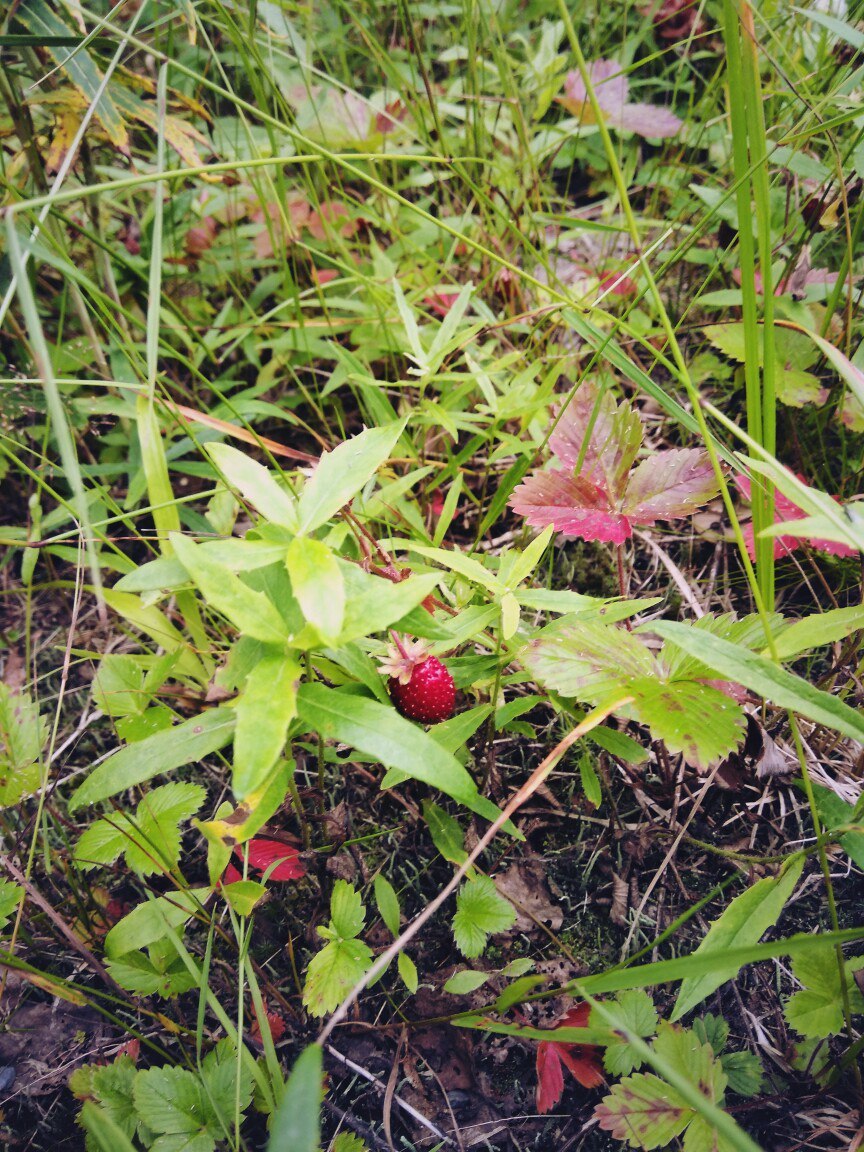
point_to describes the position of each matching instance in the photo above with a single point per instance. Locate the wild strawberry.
(420, 686)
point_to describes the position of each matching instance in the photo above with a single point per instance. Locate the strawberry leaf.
(670, 484)
(595, 495)
(480, 911)
(572, 505)
(614, 436)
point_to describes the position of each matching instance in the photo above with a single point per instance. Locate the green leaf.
(743, 1071)
(712, 1030)
(342, 473)
(152, 975)
(817, 1010)
(78, 67)
(379, 731)
(251, 612)
(107, 1135)
(348, 1142)
(388, 903)
(819, 629)
(465, 566)
(146, 923)
(118, 686)
(332, 973)
(256, 484)
(110, 1085)
(243, 895)
(150, 840)
(185, 743)
(644, 1111)
(169, 1100)
(297, 1122)
(265, 708)
(316, 580)
(464, 982)
(10, 896)
(446, 833)
(375, 604)
(694, 719)
(156, 624)
(347, 913)
(590, 782)
(634, 1012)
(480, 912)
(834, 812)
(742, 924)
(23, 733)
(408, 972)
(765, 677)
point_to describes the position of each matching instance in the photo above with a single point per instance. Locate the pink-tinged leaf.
(611, 86)
(611, 89)
(646, 120)
(581, 1060)
(262, 853)
(670, 484)
(571, 504)
(440, 302)
(785, 510)
(615, 439)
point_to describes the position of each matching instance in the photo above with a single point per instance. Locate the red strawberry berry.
(420, 686)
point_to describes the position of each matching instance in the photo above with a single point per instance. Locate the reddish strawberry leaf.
(669, 484)
(614, 440)
(581, 1060)
(601, 439)
(611, 89)
(571, 504)
(785, 509)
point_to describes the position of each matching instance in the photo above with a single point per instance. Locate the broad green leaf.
(342, 473)
(480, 912)
(408, 972)
(528, 560)
(379, 731)
(634, 1012)
(249, 611)
(150, 839)
(256, 484)
(388, 903)
(509, 616)
(23, 733)
(316, 580)
(265, 708)
(169, 1100)
(742, 924)
(743, 1071)
(118, 686)
(465, 566)
(146, 923)
(375, 604)
(817, 1010)
(296, 1125)
(765, 677)
(835, 812)
(446, 833)
(817, 630)
(156, 625)
(694, 719)
(332, 973)
(230, 827)
(465, 982)
(167, 574)
(107, 1135)
(10, 896)
(243, 895)
(138, 972)
(644, 1111)
(185, 743)
(347, 913)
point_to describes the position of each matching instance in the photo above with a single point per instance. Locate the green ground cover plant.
(431, 594)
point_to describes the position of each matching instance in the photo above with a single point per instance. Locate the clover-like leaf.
(480, 911)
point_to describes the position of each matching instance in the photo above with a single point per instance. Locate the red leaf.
(440, 302)
(785, 509)
(571, 504)
(581, 1060)
(602, 439)
(277, 1028)
(264, 852)
(669, 484)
